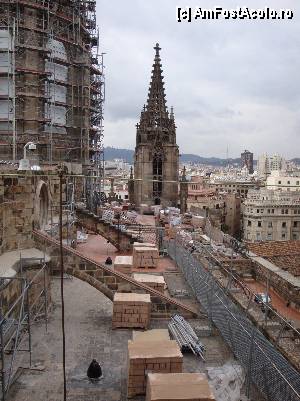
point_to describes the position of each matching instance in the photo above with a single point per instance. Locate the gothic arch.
(41, 205)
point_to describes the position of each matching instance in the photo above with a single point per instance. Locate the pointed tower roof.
(183, 175)
(156, 102)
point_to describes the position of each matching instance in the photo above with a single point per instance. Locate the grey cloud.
(231, 83)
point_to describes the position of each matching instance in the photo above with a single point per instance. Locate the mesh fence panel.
(265, 366)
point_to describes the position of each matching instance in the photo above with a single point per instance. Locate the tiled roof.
(284, 254)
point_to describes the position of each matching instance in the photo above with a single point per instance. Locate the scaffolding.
(54, 89)
(16, 322)
(54, 72)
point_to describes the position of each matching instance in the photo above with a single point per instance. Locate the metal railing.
(265, 366)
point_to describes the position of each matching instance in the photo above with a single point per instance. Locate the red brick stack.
(157, 282)
(161, 356)
(131, 310)
(123, 264)
(145, 257)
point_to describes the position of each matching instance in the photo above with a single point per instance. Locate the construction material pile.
(150, 353)
(131, 310)
(185, 336)
(145, 257)
(178, 387)
(123, 264)
(156, 282)
(118, 215)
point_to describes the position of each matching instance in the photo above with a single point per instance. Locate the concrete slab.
(9, 261)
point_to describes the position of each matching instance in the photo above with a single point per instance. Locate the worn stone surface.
(89, 335)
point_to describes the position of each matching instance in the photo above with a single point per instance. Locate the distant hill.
(114, 153)
(127, 155)
(212, 161)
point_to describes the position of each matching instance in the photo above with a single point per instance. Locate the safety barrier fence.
(265, 366)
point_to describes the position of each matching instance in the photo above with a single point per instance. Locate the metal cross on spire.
(157, 49)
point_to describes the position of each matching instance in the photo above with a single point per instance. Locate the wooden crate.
(131, 310)
(163, 356)
(157, 282)
(123, 264)
(178, 387)
(145, 257)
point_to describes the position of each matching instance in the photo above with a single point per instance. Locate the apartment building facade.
(271, 215)
(283, 182)
(238, 187)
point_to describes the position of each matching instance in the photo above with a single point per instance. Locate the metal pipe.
(3, 381)
(29, 327)
(46, 301)
(62, 285)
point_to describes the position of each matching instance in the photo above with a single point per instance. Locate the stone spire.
(156, 102)
(183, 175)
(156, 124)
(156, 152)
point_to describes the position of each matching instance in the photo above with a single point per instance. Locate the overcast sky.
(232, 83)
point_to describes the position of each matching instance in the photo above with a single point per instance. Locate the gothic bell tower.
(156, 160)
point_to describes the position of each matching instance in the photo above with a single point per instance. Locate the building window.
(249, 223)
(269, 237)
(284, 224)
(286, 211)
(258, 236)
(157, 173)
(295, 236)
(289, 182)
(270, 225)
(283, 235)
(282, 211)
(297, 182)
(279, 182)
(257, 210)
(269, 211)
(272, 211)
(259, 224)
(295, 224)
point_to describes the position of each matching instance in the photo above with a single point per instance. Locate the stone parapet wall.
(281, 286)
